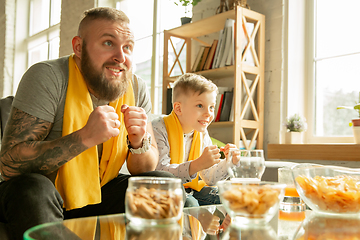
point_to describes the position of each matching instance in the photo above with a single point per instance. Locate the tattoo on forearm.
(24, 149)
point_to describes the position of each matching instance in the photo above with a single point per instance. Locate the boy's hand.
(228, 147)
(210, 156)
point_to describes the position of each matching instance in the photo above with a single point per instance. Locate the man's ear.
(77, 45)
(177, 108)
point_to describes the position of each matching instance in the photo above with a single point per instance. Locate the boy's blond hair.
(190, 83)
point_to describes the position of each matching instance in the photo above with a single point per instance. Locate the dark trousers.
(32, 199)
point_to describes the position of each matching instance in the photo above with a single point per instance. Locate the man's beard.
(102, 87)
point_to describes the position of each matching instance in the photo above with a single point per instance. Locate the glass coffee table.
(206, 222)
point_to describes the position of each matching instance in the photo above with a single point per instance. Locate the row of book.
(224, 110)
(221, 53)
(224, 102)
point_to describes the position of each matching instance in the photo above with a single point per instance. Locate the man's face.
(106, 58)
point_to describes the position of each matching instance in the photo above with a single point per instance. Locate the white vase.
(356, 131)
(293, 137)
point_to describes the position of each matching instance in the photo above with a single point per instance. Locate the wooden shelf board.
(331, 152)
(204, 26)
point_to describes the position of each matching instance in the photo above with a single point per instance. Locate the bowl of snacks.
(330, 190)
(318, 226)
(251, 202)
(154, 200)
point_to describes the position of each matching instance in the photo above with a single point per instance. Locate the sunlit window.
(44, 21)
(142, 21)
(335, 66)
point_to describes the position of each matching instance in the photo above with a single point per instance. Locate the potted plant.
(186, 3)
(295, 125)
(355, 123)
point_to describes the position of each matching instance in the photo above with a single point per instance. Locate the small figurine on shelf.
(295, 125)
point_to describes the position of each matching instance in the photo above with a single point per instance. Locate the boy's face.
(197, 111)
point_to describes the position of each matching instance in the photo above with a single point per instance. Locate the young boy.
(185, 147)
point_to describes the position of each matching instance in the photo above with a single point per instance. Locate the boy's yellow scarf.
(176, 142)
(79, 181)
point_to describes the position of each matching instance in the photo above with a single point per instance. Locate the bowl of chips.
(251, 202)
(326, 189)
(154, 200)
(317, 226)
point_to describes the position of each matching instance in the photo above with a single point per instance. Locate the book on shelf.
(221, 91)
(219, 48)
(228, 35)
(210, 58)
(203, 59)
(226, 106)
(198, 58)
(169, 106)
(248, 113)
(217, 117)
(230, 60)
(231, 117)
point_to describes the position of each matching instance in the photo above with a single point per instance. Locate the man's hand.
(103, 124)
(208, 158)
(135, 119)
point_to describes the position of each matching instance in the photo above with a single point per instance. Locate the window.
(44, 21)
(334, 66)
(148, 52)
(36, 35)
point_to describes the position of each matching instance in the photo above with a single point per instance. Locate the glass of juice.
(292, 206)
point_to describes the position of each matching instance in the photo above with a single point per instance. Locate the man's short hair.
(190, 83)
(105, 13)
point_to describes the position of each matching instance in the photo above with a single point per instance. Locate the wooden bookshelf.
(240, 128)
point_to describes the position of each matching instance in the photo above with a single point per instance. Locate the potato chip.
(339, 194)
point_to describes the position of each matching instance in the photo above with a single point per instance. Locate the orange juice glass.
(291, 207)
(290, 191)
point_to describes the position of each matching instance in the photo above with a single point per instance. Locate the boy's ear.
(177, 108)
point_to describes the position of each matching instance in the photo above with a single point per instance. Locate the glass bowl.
(154, 200)
(251, 202)
(328, 227)
(328, 189)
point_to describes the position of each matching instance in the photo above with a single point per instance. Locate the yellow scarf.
(176, 142)
(78, 180)
(111, 228)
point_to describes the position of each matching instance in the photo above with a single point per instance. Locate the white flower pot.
(356, 131)
(293, 137)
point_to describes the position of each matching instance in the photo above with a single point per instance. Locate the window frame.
(23, 39)
(310, 42)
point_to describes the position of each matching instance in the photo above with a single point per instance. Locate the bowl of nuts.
(154, 200)
(251, 202)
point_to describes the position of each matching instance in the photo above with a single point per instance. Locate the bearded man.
(74, 122)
